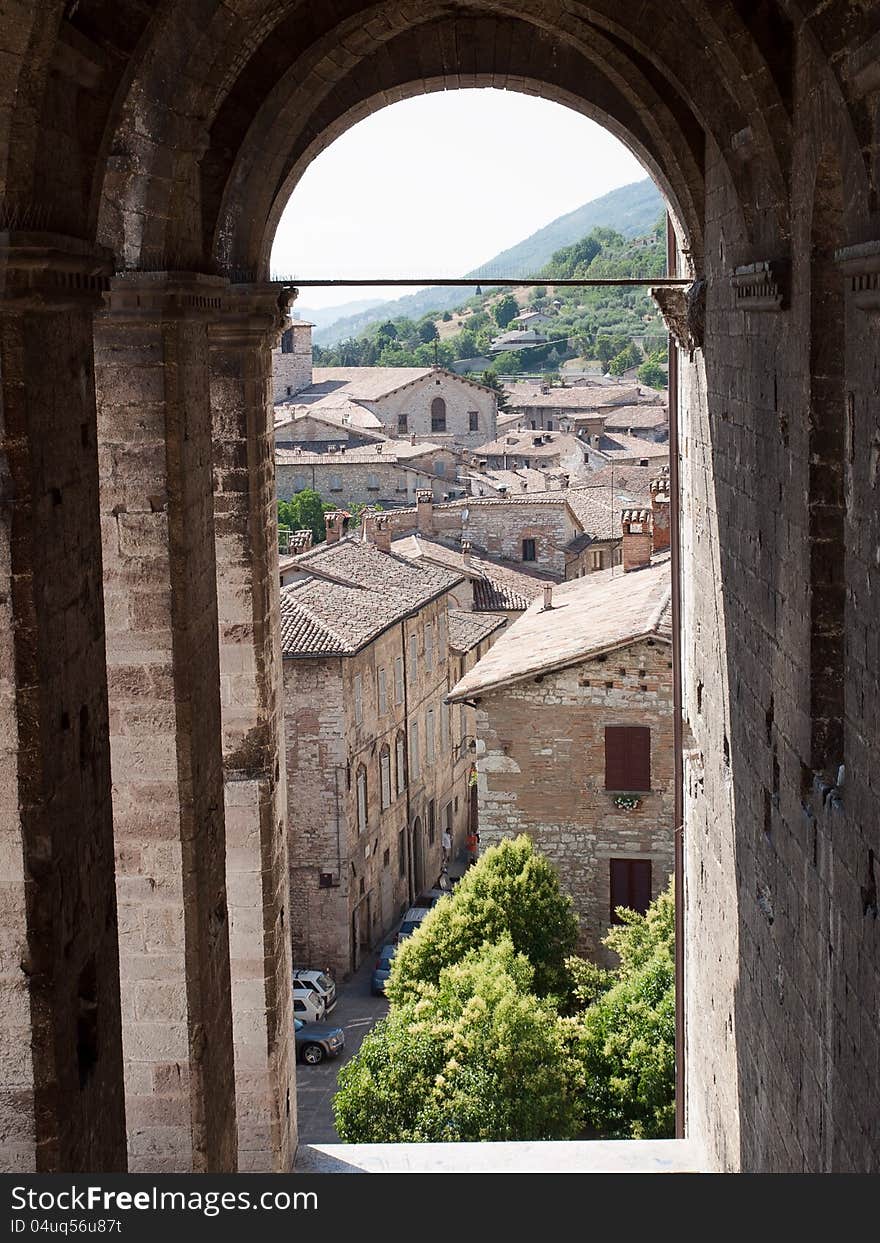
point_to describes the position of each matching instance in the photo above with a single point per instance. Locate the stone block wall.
(501, 529)
(544, 774)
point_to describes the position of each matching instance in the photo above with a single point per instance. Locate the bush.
(477, 1057)
(511, 891)
(625, 1040)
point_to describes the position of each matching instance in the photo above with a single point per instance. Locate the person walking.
(473, 844)
(446, 845)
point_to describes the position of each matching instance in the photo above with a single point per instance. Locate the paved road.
(355, 1012)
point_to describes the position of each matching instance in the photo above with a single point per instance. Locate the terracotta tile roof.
(388, 452)
(643, 416)
(630, 481)
(373, 383)
(352, 594)
(497, 587)
(598, 613)
(621, 445)
(466, 630)
(550, 444)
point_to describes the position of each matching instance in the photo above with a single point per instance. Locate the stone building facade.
(390, 473)
(147, 155)
(574, 710)
(372, 755)
(292, 360)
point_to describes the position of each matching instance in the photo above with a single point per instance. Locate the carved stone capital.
(155, 296)
(861, 266)
(762, 286)
(684, 312)
(51, 272)
(251, 314)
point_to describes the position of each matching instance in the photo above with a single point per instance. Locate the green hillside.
(631, 210)
(619, 327)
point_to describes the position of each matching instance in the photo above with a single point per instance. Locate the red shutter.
(627, 757)
(630, 885)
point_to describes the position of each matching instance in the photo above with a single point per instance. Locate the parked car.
(307, 1005)
(431, 897)
(411, 921)
(382, 970)
(314, 1043)
(320, 981)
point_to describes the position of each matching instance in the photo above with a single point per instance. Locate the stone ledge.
(629, 1156)
(861, 266)
(761, 286)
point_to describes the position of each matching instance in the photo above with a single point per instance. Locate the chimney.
(302, 540)
(548, 597)
(412, 438)
(637, 539)
(660, 513)
(466, 551)
(425, 511)
(334, 524)
(379, 531)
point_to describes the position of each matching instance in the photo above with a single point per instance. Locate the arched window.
(362, 799)
(385, 777)
(438, 415)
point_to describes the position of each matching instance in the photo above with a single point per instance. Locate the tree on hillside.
(505, 310)
(512, 891)
(629, 356)
(490, 379)
(446, 317)
(477, 1056)
(653, 371)
(388, 331)
(625, 1038)
(507, 363)
(607, 347)
(428, 330)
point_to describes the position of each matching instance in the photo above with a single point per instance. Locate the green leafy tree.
(631, 356)
(446, 317)
(508, 362)
(512, 891)
(305, 510)
(428, 330)
(477, 1056)
(491, 380)
(624, 1041)
(505, 310)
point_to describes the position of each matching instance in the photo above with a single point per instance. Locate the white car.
(307, 1005)
(320, 981)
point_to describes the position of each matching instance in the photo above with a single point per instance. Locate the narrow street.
(356, 1011)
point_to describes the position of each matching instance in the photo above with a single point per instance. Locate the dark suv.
(314, 1041)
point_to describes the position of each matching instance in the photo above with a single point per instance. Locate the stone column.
(257, 875)
(160, 586)
(61, 1102)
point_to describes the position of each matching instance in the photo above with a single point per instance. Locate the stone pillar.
(61, 1101)
(154, 421)
(257, 873)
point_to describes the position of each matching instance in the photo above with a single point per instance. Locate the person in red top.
(472, 843)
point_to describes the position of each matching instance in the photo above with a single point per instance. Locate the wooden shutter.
(627, 757)
(630, 885)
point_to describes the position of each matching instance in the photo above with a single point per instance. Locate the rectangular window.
(402, 422)
(385, 777)
(595, 559)
(400, 761)
(413, 657)
(429, 738)
(441, 637)
(627, 757)
(446, 818)
(361, 800)
(335, 483)
(398, 680)
(414, 750)
(432, 821)
(383, 692)
(473, 420)
(630, 886)
(358, 699)
(444, 724)
(528, 550)
(429, 646)
(401, 852)
(439, 468)
(372, 483)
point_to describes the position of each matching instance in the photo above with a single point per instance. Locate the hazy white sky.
(438, 184)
